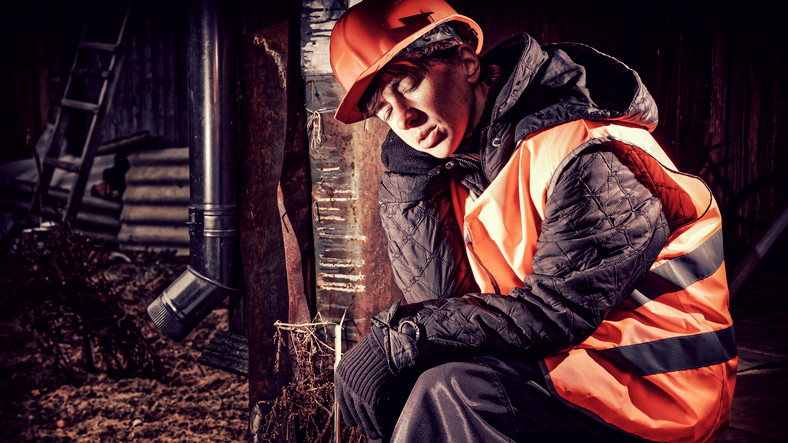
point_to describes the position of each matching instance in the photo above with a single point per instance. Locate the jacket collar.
(556, 83)
(546, 86)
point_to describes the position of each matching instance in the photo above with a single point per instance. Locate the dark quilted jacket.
(602, 231)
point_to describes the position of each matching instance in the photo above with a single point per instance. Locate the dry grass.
(81, 361)
(305, 411)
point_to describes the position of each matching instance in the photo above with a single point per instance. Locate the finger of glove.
(375, 426)
(345, 401)
(341, 396)
(370, 427)
(366, 419)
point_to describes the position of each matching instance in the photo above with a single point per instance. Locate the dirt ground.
(186, 402)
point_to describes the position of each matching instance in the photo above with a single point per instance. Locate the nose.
(405, 116)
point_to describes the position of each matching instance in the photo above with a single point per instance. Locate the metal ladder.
(86, 100)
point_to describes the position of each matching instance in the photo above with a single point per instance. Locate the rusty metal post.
(353, 273)
(265, 111)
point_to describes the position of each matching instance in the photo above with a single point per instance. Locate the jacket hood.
(556, 83)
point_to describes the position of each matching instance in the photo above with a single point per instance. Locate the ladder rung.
(98, 46)
(82, 106)
(62, 164)
(87, 72)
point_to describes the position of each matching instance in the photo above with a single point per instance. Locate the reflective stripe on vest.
(680, 272)
(676, 353)
(662, 365)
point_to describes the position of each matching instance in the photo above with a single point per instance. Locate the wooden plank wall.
(33, 36)
(152, 89)
(39, 37)
(717, 71)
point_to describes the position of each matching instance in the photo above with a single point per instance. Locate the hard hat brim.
(348, 111)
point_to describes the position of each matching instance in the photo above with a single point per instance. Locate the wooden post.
(265, 110)
(353, 273)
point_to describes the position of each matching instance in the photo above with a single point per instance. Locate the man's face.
(430, 113)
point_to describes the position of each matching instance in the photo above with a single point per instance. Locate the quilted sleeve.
(423, 238)
(602, 231)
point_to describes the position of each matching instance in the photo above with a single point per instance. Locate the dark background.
(715, 69)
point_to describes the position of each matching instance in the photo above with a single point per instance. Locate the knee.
(439, 381)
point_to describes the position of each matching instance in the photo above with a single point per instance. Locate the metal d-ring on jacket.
(623, 297)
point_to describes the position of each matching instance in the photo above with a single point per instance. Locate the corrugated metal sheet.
(156, 200)
(151, 215)
(98, 217)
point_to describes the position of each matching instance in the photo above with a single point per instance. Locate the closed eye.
(383, 113)
(399, 86)
(408, 84)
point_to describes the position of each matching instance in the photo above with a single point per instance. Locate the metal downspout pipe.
(213, 217)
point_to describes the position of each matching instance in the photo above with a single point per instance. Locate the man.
(562, 279)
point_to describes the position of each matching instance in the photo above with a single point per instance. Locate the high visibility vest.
(662, 365)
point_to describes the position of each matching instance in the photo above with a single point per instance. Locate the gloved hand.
(363, 384)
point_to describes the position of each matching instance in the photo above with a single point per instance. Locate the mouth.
(430, 138)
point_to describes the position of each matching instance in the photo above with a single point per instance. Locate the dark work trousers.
(486, 399)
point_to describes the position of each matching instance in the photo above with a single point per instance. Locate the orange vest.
(662, 365)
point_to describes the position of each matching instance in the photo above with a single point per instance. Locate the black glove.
(363, 387)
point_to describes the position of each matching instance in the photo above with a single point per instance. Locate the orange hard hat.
(371, 33)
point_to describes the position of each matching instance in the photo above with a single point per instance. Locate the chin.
(437, 153)
(443, 150)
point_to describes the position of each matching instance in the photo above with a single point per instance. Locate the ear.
(471, 64)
